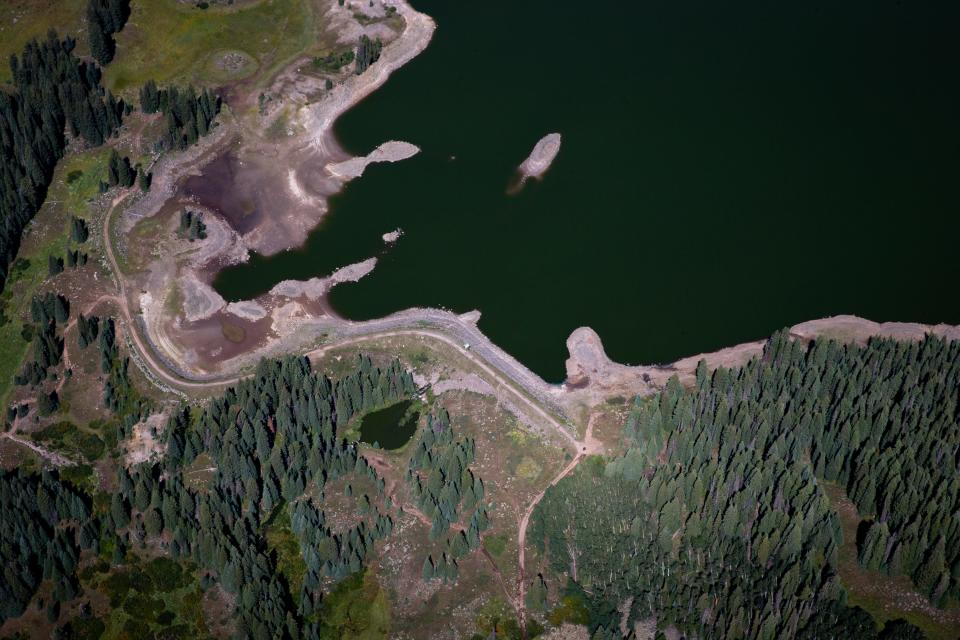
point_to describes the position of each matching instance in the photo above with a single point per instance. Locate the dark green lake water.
(727, 169)
(389, 427)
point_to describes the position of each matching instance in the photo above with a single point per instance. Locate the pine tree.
(47, 403)
(149, 97)
(61, 309)
(54, 265)
(928, 575)
(79, 231)
(537, 594)
(428, 571)
(874, 545)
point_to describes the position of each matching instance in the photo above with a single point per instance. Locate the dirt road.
(586, 447)
(55, 458)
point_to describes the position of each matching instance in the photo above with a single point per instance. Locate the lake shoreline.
(297, 318)
(179, 307)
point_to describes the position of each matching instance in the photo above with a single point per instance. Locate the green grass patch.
(80, 476)
(357, 609)
(83, 629)
(528, 469)
(496, 617)
(67, 437)
(158, 599)
(570, 609)
(167, 574)
(142, 607)
(199, 474)
(174, 42)
(281, 540)
(24, 20)
(495, 544)
(875, 592)
(48, 235)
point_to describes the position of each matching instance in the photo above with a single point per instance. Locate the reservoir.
(727, 169)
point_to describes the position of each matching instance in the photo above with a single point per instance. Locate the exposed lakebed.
(725, 171)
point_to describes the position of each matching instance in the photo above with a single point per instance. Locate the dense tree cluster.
(334, 61)
(54, 265)
(76, 258)
(336, 554)
(119, 394)
(39, 531)
(837, 621)
(719, 491)
(270, 437)
(119, 171)
(45, 311)
(87, 330)
(191, 226)
(53, 92)
(105, 18)
(442, 483)
(189, 115)
(368, 52)
(79, 231)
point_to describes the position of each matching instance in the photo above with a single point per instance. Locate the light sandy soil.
(145, 443)
(567, 631)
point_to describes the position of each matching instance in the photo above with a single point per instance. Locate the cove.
(727, 169)
(390, 427)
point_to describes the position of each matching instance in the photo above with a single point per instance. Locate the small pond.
(391, 426)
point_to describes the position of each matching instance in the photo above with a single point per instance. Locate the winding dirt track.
(444, 327)
(586, 447)
(54, 457)
(438, 325)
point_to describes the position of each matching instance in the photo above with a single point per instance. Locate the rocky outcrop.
(392, 151)
(314, 288)
(542, 156)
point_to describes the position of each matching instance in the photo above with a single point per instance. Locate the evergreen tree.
(536, 598)
(368, 52)
(149, 97)
(47, 403)
(79, 231)
(105, 18)
(54, 265)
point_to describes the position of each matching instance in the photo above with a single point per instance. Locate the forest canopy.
(721, 490)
